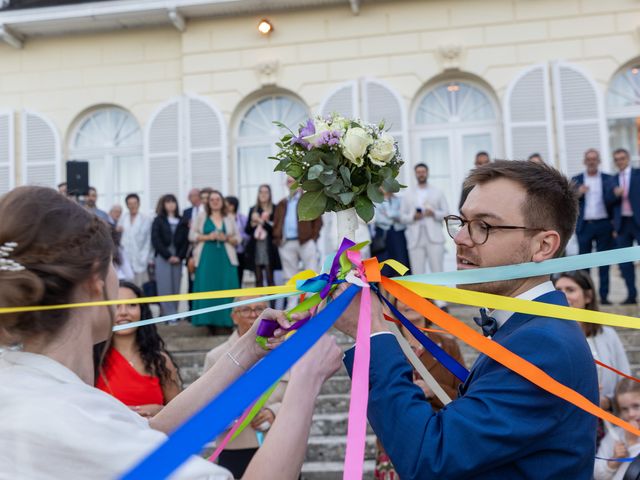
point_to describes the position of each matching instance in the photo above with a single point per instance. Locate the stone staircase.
(327, 442)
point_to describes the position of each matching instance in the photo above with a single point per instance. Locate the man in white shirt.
(425, 235)
(136, 238)
(595, 194)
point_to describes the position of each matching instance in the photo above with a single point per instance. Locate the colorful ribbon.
(500, 354)
(357, 420)
(212, 419)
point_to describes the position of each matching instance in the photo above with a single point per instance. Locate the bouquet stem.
(347, 224)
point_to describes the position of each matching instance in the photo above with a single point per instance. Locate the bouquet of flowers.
(339, 164)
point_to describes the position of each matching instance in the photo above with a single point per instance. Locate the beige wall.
(316, 50)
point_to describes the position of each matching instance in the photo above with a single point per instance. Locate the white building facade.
(163, 96)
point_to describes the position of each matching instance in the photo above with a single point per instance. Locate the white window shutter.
(380, 102)
(162, 149)
(206, 145)
(527, 115)
(40, 151)
(343, 101)
(579, 117)
(7, 152)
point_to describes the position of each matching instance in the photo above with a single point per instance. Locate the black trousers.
(236, 461)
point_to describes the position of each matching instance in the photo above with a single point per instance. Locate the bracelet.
(234, 360)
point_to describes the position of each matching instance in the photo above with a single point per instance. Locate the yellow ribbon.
(488, 300)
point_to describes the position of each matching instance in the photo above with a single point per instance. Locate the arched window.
(110, 139)
(623, 111)
(452, 122)
(257, 136)
(373, 101)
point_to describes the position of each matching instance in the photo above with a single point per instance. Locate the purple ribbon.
(335, 266)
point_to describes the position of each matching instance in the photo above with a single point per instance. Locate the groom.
(501, 425)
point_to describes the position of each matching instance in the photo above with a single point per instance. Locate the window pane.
(111, 140)
(435, 153)
(624, 133)
(472, 144)
(455, 102)
(256, 143)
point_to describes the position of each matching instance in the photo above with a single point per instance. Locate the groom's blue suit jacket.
(501, 426)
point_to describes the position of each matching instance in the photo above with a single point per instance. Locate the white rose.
(383, 150)
(354, 145)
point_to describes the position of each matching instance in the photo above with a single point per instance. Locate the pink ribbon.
(357, 423)
(227, 438)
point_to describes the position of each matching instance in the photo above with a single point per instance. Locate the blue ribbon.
(628, 459)
(438, 353)
(212, 419)
(531, 269)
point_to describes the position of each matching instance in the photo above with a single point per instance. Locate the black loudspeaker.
(77, 178)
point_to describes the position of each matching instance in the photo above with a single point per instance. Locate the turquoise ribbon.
(531, 269)
(178, 316)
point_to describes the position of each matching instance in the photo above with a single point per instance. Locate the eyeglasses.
(478, 229)
(248, 311)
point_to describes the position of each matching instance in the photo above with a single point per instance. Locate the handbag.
(379, 242)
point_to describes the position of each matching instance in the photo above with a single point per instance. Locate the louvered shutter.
(163, 153)
(528, 122)
(7, 174)
(343, 101)
(206, 146)
(579, 117)
(40, 151)
(380, 103)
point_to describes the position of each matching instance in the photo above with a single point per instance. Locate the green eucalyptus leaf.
(282, 165)
(345, 173)
(327, 177)
(336, 187)
(314, 172)
(331, 205)
(391, 185)
(294, 170)
(364, 208)
(312, 186)
(374, 193)
(331, 158)
(346, 198)
(313, 157)
(311, 205)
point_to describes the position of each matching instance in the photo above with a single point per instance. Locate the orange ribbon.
(499, 353)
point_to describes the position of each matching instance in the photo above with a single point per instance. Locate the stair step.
(331, 424)
(332, 470)
(332, 448)
(332, 403)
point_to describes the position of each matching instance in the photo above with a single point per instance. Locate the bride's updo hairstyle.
(59, 244)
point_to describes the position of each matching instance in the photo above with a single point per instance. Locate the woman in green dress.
(216, 237)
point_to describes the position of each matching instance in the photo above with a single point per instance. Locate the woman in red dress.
(136, 368)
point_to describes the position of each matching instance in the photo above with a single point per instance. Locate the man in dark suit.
(595, 204)
(501, 425)
(626, 215)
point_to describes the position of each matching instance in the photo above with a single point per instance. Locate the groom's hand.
(348, 321)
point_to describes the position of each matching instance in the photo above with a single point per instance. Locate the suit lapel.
(513, 323)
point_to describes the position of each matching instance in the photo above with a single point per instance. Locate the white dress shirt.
(502, 316)
(55, 426)
(594, 208)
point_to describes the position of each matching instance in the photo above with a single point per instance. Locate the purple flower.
(330, 138)
(308, 129)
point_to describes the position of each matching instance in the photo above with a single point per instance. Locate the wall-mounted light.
(635, 70)
(453, 87)
(265, 27)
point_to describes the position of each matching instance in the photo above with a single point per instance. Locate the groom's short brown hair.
(551, 202)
